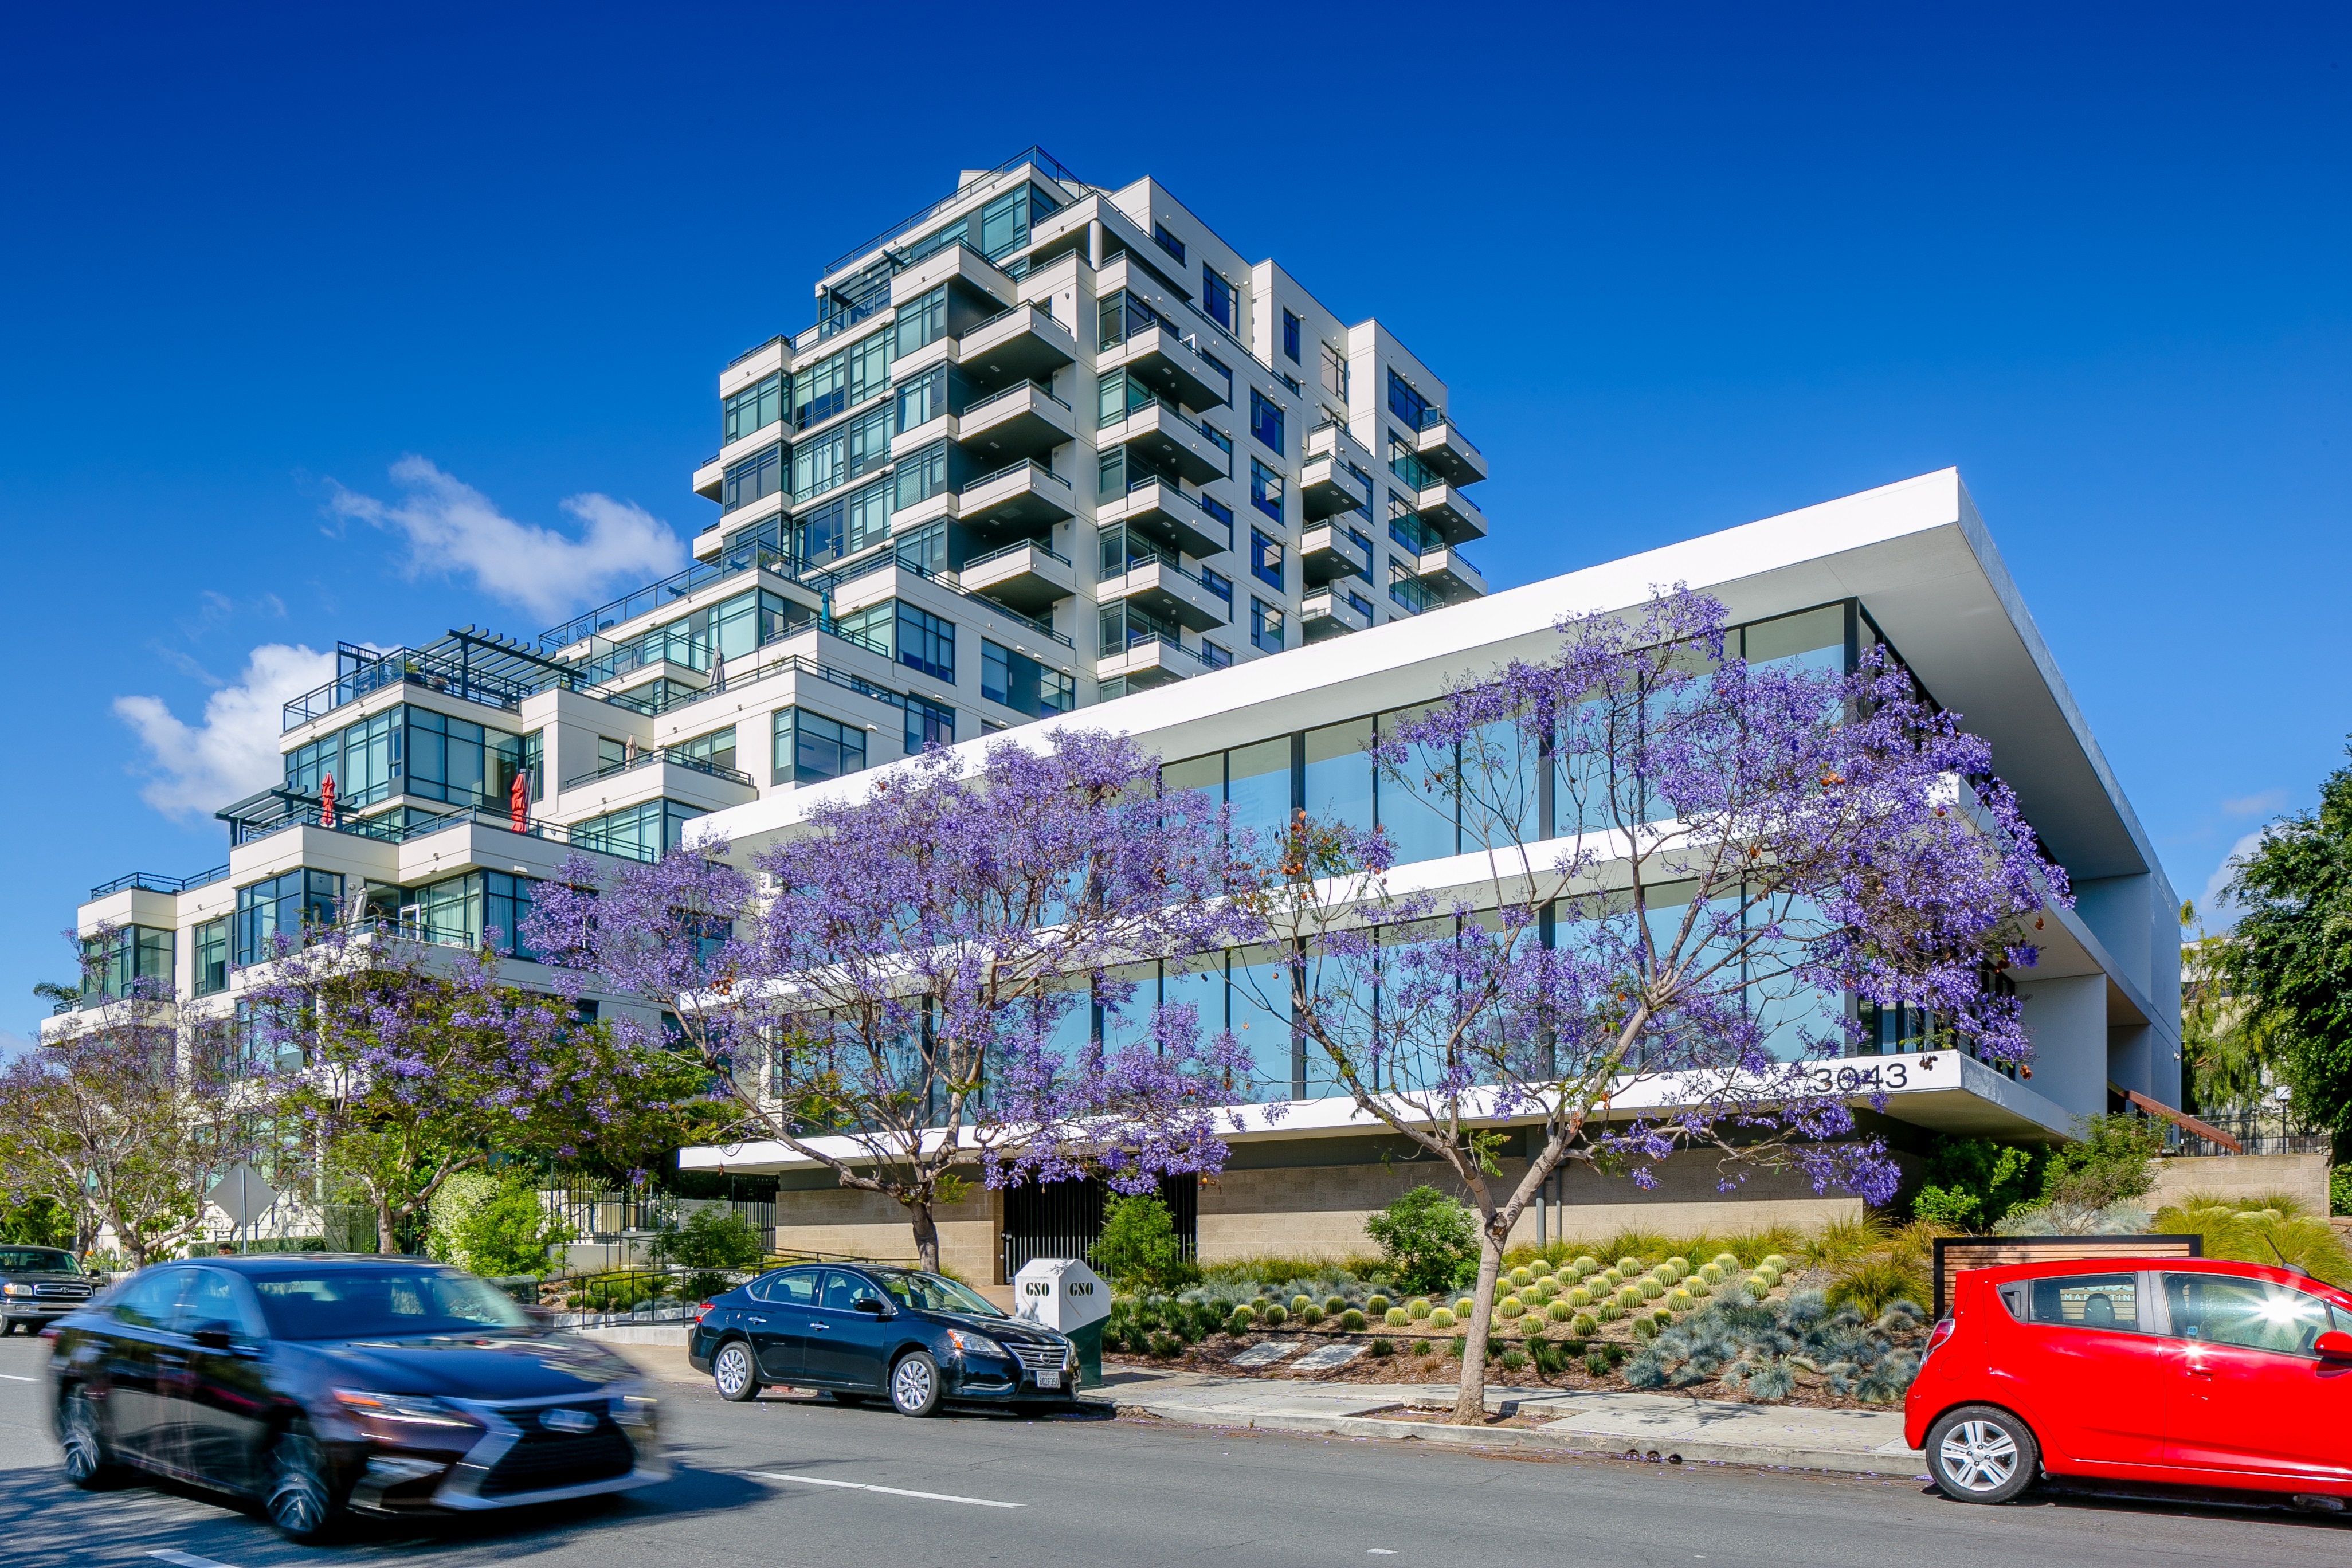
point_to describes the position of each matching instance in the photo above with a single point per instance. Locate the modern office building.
(1050, 449)
(1909, 566)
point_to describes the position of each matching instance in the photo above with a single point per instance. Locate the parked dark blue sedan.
(861, 1332)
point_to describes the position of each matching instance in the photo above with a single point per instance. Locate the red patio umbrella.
(326, 800)
(517, 804)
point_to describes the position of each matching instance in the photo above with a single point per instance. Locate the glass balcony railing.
(151, 882)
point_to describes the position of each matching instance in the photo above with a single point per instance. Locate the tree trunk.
(386, 1243)
(927, 1232)
(1470, 1403)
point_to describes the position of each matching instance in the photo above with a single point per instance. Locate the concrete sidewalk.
(1670, 1427)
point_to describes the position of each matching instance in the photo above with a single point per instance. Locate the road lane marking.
(185, 1559)
(887, 1491)
(14, 1378)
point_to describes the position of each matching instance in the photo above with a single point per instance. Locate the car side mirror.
(2334, 1345)
(877, 1307)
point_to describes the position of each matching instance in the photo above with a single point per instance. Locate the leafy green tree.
(509, 1232)
(712, 1241)
(1427, 1237)
(1971, 1182)
(2229, 1050)
(2108, 1163)
(1138, 1248)
(2291, 957)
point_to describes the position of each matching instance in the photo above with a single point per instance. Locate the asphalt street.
(783, 1483)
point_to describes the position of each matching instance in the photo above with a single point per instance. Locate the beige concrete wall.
(868, 1225)
(1319, 1211)
(2302, 1176)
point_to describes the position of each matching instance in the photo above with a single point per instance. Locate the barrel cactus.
(1397, 1318)
(1588, 1264)
(1523, 1276)
(1681, 1265)
(1757, 1286)
(1258, 1304)
(1728, 1261)
(1334, 1305)
(1558, 1310)
(1609, 1311)
(1680, 1299)
(1629, 1265)
(1464, 1308)
(1627, 1295)
(1711, 1272)
(1417, 1309)
(1274, 1316)
(1775, 1262)
(1583, 1324)
(1645, 1329)
(1648, 1288)
(1378, 1305)
(1578, 1296)
(1351, 1321)
(1510, 1307)
(1310, 1315)
(1300, 1303)
(1440, 1318)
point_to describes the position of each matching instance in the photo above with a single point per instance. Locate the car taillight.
(700, 1312)
(1937, 1336)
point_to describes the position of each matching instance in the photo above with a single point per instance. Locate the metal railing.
(387, 831)
(677, 586)
(151, 882)
(676, 756)
(1041, 547)
(1043, 160)
(826, 582)
(992, 476)
(373, 672)
(1015, 390)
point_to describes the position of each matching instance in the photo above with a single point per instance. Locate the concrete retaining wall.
(2303, 1177)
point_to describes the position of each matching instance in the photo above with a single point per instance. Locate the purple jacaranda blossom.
(403, 1062)
(1732, 847)
(903, 988)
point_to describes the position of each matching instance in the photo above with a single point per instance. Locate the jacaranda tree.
(905, 988)
(1732, 847)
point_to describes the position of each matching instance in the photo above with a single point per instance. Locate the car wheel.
(732, 1370)
(915, 1384)
(1980, 1454)
(89, 1463)
(296, 1496)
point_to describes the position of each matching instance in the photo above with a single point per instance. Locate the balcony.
(1160, 507)
(960, 266)
(707, 476)
(1332, 613)
(1027, 495)
(1450, 575)
(1325, 487)
(1328, 550)
(1171, 365)
(1445, 448)
(1162, 589)
(1023, 421)
(1025, 343)
(1028, 576)
(1150, 660)
(1169, 442)
(1449, 511)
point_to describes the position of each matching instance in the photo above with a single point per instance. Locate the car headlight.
(968, 1343)
(410, 1410)
(632, 1410)
(13, 1288)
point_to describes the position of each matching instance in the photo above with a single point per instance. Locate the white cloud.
(2259, 803)
(451, 527)
(196, 769)
(2214, 908)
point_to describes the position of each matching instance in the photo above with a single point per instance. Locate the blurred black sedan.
(313, 1386)
(863, 1332)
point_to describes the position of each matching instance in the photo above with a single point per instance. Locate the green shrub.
(1383, 1346)
(2108, 1163)
(1596, 1363)
(1418, 1308)
(1456, 1345)
(1440, 1318)
(1378, 1305)
(1512, 1360)
(1164, 1344)
(509, 1232)
(1584, 1324)
(1397, 1318)
(1558, 1311)
(2339, 1189)
(1549, 1356)
(1421, 1347)
(1352, 1320)
(1426, 1237)
(1138, 1244)
(1239, 1323)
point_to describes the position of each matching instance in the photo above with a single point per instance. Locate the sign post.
(242, 1194)
(1064, 1295)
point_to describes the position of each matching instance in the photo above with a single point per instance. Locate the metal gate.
(1064, 1219)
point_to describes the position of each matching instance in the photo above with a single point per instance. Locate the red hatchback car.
(2172, 1369)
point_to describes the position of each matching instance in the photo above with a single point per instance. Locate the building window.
(920, 321)
(463, 911)
(1222, 586)
(1359, 604)
(1265, 627)
(1222, 442)
(130, 961)
(459, 762)
(1021, 683)
(754, 479)
(1216, 297)
(754, 408)
(1265, 559)
(923, 475)
(811, 748)
(1216, 655)
(1406, 464)
(926, 642)
(1265, 490)
(929, 725)
(1406, 527)
(1335, 373)
(717, 748)
(1408, 591)
(1407, 403)
(285, 903)
(1290, 336)
(869, 628)
(645, 832)
(1265, 421)
(1168, 242)
(212, 958)
(1219, 511)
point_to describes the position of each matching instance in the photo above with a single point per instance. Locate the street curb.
(1845, 1461)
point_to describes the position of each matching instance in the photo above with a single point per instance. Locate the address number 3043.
(1853, 1080)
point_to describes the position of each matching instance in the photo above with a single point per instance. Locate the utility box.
(1064, 1295)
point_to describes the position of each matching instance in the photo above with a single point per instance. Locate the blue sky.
(1680, 273)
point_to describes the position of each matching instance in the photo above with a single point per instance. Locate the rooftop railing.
(369, 672)
(676, 756)
(151, 882)
(1038, 156)
(677, 586)
(387, 831)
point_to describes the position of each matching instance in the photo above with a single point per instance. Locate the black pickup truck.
(39, 1285)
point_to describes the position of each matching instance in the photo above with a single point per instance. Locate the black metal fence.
(1064, 1219)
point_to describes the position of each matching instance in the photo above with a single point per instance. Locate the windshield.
(382, 1303)
(36, 1260)
(934, 1294)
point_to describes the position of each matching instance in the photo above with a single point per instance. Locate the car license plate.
(1049, 1379)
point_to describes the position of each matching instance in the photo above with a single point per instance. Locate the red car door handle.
(2195, 1370)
